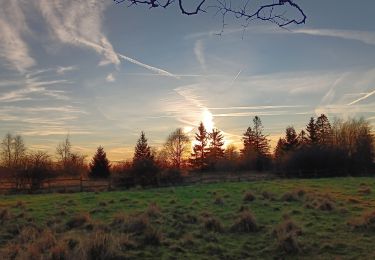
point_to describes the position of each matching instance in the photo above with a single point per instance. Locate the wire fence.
(67, 185)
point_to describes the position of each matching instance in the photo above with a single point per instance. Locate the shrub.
(249, 196)
(245, 223)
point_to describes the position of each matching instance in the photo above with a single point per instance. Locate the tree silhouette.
(200, 148)
(279, 12)
(99, 166)
(302, 138)
(291, 139)
(12, 150)
(144, 167)
(215, 150)
(177, 147)
(312, 132)
(142, 149)
(323, 130)
(256, 148)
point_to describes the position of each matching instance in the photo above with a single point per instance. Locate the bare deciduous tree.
(177, 147)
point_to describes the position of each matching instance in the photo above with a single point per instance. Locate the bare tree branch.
(274, 11)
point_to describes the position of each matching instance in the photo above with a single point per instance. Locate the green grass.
(325, 233)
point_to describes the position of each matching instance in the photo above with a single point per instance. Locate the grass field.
(314, 219)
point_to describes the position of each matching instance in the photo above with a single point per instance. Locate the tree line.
(321, 149)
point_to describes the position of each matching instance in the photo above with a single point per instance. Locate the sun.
(208, 120)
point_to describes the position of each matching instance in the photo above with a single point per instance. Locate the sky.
(102, 72)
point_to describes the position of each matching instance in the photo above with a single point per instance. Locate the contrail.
(236, 77)
(157, 70)
(362, 98)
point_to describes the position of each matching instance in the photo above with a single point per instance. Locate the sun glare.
(208, 120)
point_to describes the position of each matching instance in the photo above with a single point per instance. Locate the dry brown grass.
(211, 223)
(245, 223)
(249, 196)
(364, 222)
(294, 195)
(100, 245)
(364, 190)
(153, 210)
(287, 233)
(219, 201)
(152, 236)
(79, 220)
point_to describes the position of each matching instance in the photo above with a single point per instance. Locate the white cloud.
(79, 23)
(13, 26)
(110, 78)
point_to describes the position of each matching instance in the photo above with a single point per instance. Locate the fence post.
(80, 184)
(49, 185)
(109, 184)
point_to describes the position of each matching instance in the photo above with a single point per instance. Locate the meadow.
(288, 218)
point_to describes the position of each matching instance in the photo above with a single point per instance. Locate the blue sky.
(103, 72)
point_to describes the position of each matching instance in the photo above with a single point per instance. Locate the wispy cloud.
(199, 53)
(367, 37)
(13, 28)
(79, 23)
(62, 70)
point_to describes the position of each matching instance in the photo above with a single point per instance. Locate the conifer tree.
(99, 166)
(142, 150)
(144, 167)
(200, 148)
(291, 139)
(279, 149)
(311, 130)
(303, 139)
(215, 150)
(323, 130)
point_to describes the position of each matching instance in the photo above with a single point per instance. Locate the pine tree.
(215, 150)
(254, 141)
(261, 143)
(291, 139)
(303, 140)
(200, 148)
(323, 130)
(311, 130)
(144, 167)
(248, 143)
(279, 149)
(99, 166)
(142, 150)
